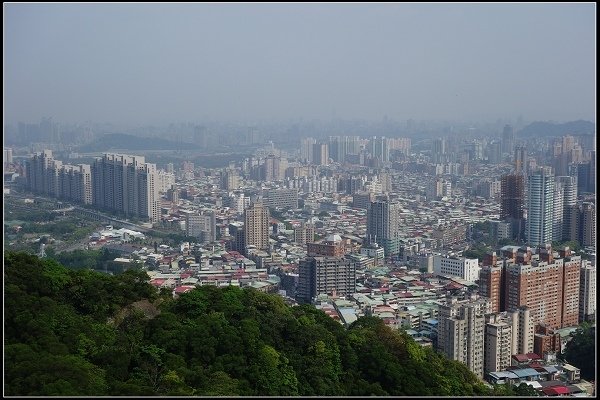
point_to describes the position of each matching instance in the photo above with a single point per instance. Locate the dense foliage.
(75, 332)
(580, 351)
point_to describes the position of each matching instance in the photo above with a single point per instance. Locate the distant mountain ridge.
(130, 142)
(545, 128)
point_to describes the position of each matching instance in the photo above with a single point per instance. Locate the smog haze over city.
(300, 199)
(160, 63)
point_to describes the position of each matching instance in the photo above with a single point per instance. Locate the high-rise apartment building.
(439, 151)
(256, 226)
(567, 227)
(520, 159)
(273, 168)
(75, 183)
(320, 154)
(325, 275)
(506, 334)
(306, 149)
(126, 184)
(461, 331)
(340, 146)
(508, 139)
(540, 206)
(549, 287)
(230, 180)
(383, 219)
(587, 224)
(495, 152)
(51, 177)
(512, 201)
(587, 292)
(379, 148)
(36, 172)
(491, 286)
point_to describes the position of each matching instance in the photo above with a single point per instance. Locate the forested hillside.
(78, 332)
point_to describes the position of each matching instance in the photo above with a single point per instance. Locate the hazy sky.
(154, 63)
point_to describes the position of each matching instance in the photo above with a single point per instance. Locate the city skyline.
(154, 63)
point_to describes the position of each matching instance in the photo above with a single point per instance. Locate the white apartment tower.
(540, 206)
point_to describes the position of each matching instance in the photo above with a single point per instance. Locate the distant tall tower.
(512, 201)
(379, 148)
(495, 152)
(439, 150)
(567, 229)
(520, 159)
(508, 139)
(256, 226)
(306, 149)
(320, 154)
(540, 206)
(383, 218)
(587, 224)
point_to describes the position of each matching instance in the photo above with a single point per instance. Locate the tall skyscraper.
(495, 152)
(520, 159)
(256, 226)
(540, 206)
(383, 219)
(439, 151)
(512, 199)
(563, 224)
(508, 139)
(587, 224)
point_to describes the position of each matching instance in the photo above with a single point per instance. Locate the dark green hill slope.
(74, 332)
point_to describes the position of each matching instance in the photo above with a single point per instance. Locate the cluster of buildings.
(539, 206)
(115, 182)
(369, 227)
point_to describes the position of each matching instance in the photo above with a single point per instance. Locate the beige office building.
(256, 226)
